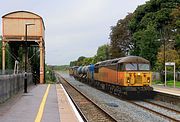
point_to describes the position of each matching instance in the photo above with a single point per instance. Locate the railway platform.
(167, 90)
(45, 102)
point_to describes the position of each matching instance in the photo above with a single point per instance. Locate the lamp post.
(164, 50)
(164, 61)
(25, 78)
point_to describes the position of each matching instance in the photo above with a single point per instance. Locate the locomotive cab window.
(144, 66)
(131, 66)
(121, 67)
(137, 66)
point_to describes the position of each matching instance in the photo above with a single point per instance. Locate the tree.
(175, 27)
(80, 60)
(154, 20)
(147, 44)
(87, 61)
(171, 56)
(102, 53)
(73, 63)
(121, 37)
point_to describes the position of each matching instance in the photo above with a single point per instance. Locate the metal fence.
(157, 76)
(9, 72)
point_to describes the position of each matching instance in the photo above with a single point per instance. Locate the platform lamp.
(25, 78)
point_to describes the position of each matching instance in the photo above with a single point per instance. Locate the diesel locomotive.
(123, 75)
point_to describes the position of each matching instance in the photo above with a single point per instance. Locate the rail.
(89, 110)
(153, 111)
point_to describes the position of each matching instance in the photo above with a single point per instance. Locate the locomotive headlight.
(148, 80)
(128, 80)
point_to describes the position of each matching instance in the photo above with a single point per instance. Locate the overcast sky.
(73, 27)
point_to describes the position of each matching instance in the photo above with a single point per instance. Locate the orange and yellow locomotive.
(129, 74)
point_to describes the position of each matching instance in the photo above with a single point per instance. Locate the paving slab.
(67, 114)
(27, 106)
(51, 110)
(167, 90)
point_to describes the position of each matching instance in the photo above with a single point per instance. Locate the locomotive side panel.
(113, 76)
(107, 75)
(121, 78)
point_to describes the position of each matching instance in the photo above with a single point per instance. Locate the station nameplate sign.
(170, 63)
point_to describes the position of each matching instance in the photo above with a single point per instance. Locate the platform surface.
(39, 104)
(167, 90)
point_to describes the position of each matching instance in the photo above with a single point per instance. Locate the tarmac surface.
(25, 107)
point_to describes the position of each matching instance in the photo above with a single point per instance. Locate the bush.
(49, 75)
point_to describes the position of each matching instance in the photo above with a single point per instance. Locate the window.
(135, 67)
(131, 66)
(144, 66)
(121, 67)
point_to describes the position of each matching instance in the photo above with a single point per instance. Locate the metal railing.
(10, 72)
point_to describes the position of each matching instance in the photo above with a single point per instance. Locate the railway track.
(88, 109)
(163, 111)
(160, 110)
(168, 113)
(162, 106)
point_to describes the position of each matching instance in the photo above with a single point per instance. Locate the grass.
(169, 83)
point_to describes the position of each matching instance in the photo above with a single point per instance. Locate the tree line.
(152, 28)
(101, 55)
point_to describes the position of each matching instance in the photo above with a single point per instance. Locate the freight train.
(123, 75)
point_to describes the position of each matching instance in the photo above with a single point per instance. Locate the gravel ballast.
(121, 110)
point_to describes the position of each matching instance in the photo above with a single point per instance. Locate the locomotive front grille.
(138, 80)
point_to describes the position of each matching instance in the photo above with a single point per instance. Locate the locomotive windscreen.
(135, 67)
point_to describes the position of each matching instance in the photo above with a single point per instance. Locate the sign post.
(170, 64)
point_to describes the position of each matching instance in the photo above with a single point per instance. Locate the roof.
(128, 59)
(25, 12)
(133, 59)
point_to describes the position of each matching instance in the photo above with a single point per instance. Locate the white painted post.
(15, 67)
(174, 75)
(165, 76)
(171, 64)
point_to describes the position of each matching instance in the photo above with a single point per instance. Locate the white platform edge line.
(72, 105)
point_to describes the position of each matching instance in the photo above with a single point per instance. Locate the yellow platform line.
(41, 108)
